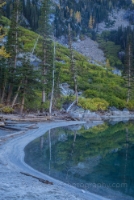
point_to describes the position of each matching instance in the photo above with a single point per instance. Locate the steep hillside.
(93, 81)
(96, 35)
(87, 18)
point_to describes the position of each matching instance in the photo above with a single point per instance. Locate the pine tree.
(73, 69)
(2, 3)
(44, 30)
(28, 80)
(3, 53)
(3, 57)
(53, 79)
(13, 45)
(129, 69)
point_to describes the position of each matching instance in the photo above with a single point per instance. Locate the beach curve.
(18, 186)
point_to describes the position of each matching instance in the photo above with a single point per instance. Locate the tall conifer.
(44, 30)
(13, 45)
(129, 68)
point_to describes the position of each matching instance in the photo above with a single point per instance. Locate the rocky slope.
(90, 49)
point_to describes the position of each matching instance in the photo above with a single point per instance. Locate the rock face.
(90, 49)
(118, 18)
(65, 90)
(116, 72)
(85, 115)
(34, 60)
(91, 116)
(113, 114)
(124, 113)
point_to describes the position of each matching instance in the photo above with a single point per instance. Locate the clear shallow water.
(99, 159)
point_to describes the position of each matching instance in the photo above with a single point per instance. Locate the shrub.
(93, 104)
(118, 103)
(1, 105)
(130, 105)
(45, 105)
(7, 110)
(91, 93)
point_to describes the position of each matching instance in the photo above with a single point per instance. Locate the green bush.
(130, 105)
(1, 105)
(45, 105)
(93, 104)
(91, 93)
(118, 103)
(7, 110)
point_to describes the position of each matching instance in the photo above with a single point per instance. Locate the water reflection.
(99, 159)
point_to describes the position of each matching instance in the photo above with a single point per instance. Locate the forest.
(29, 28)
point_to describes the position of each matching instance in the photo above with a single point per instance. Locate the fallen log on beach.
(40, 179)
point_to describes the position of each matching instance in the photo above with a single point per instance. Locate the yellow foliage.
(7, 110)
(3, 53)
(2, 4)
(78, 17)
(93, 104)
(91, 22)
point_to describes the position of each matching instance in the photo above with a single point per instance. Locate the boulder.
(113, 108)
(117, 113)
(125, 112)
(88, 115)
(76, 115)
(2, 123)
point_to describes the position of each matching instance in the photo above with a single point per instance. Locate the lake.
(98, 159)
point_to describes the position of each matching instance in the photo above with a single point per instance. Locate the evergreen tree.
(44, 30)
(27, 79)
(129, 68)
(3, 57)
(73, 69)
(13, 46)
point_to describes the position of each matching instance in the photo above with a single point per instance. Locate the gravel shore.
(16, 186)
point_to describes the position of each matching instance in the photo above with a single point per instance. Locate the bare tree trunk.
(16, 96)
(35, 44)
(3, 93)
(53, 82)
(76, 88)
(43, 76)
(9, 94)
(23, 98)
(22, 103)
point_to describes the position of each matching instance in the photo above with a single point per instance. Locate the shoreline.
(12, 162)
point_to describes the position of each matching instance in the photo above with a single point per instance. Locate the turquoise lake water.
(98, 159)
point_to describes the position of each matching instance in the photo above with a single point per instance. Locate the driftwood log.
(40, 179)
